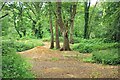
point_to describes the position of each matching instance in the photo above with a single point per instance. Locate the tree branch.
(2, 6)
(3, 16)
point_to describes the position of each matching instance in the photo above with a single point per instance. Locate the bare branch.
(3, 16)
(2, 6)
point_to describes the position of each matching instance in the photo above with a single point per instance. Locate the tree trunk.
(57, 36)
(66, 46)
(86, 17)
(71, 33)
(64, 30)
(73, 12)
(51, 28)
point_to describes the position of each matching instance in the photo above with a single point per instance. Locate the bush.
(13, 65)
(46, 39)
(81, 40)
(88, 46)
(109, 56)
(21, 45)
(83, 48)
(7, 47)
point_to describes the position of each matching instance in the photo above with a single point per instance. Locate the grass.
(54, 59)
(88, 59)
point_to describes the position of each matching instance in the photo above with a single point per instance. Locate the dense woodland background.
(80, 26)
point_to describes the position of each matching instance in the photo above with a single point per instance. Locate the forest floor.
(48, 63)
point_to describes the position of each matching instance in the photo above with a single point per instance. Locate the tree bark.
(51, 27)
(64, 30)
(73, 12)
(57, 36)
(86, 17)
(66, 46)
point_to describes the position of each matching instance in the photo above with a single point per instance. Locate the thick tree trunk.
(51, 28)
(57, 36)
(86, 17)
(66, 46)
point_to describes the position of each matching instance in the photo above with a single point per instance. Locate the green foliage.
(23, 45)
(20, 45)
(88, 59)
(109, 56)
(7, 47)
(112, 10)
(46, 39)
(13, 65)
(87, 46)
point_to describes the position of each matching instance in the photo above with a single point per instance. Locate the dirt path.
(56, 64)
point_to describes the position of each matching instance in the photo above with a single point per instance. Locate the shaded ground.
(56, 64)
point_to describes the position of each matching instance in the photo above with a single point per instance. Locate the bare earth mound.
(53, 64)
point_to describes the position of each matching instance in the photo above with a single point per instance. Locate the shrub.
(13, 65)
(7, 47)
(88, 46)
(45, 39)
(20, 45)
(82, 48)
(109, 56)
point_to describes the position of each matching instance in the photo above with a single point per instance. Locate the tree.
(51, 27)
(1, 10)
(56, 31)
(72, 15)
(34, 13)
(112, 10)
(86, 17)
(57, 35)
(63, 27)
(15, 24)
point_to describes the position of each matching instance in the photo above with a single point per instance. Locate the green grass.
(54, 59)
(88, 59)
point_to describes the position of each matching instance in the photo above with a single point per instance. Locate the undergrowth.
(13, 65)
